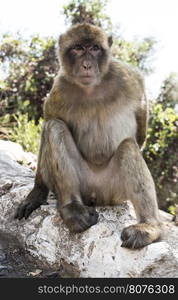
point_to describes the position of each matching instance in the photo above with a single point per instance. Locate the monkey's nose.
(86, 65)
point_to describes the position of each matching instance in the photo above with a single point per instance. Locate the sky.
(136, 19)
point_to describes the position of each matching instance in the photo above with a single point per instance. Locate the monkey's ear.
(110, 40)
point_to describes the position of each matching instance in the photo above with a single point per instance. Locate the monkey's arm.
(142, 122)
(52, 104)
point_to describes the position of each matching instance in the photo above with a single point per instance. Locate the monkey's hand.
(78, 217)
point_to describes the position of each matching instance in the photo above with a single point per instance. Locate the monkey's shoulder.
(128, 80)
(53, 102)
(125, 71)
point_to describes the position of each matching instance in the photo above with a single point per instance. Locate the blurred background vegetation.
(30, 66)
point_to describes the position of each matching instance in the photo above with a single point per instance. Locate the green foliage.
(30, 66)
(26, 133)
(137, 53)
(172, 210)
(90, 11)
(168, 96)
(161, 153)
(163, 130)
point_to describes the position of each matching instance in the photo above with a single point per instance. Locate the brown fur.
(91, 138)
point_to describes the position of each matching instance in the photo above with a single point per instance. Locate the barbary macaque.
(95, 125)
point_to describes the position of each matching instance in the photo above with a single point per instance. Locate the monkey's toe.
(139, 235)
(93, 217)
(25, 209)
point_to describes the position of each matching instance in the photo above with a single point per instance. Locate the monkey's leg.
(60, 166)
(38, 195)
(139, 188)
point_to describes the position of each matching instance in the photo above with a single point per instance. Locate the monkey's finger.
(136, 242)
(133, 244)
(75, 226)
(27, 212)
(90, 221)
(80, 224)
(128, 243)
(93, 216)
(46, 203)
(16, 214)
(125, 244)
(20, 212)
(85, 224)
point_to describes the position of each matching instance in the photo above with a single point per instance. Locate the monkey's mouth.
(86, 76)
(87, 79)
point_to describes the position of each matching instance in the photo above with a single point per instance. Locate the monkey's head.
(84, 52)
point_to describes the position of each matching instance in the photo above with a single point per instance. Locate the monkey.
(95, 123)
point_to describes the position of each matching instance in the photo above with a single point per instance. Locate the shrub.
(161, 153)
(26, 133)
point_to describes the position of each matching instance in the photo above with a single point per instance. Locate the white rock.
(16, 152)
(95, 253)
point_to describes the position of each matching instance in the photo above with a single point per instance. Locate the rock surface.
(94, 253)
(16, 152)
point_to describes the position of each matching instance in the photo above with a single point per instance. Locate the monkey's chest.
(98, 138)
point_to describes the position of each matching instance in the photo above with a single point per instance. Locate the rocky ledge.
(95, 253)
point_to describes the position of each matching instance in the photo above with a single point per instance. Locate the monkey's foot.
(34, 200)
(140, 235)
(78, 217)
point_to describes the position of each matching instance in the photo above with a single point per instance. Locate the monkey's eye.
(95, 48)
(78, 47)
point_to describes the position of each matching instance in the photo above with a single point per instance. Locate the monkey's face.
(84, 54)
(84, 59)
